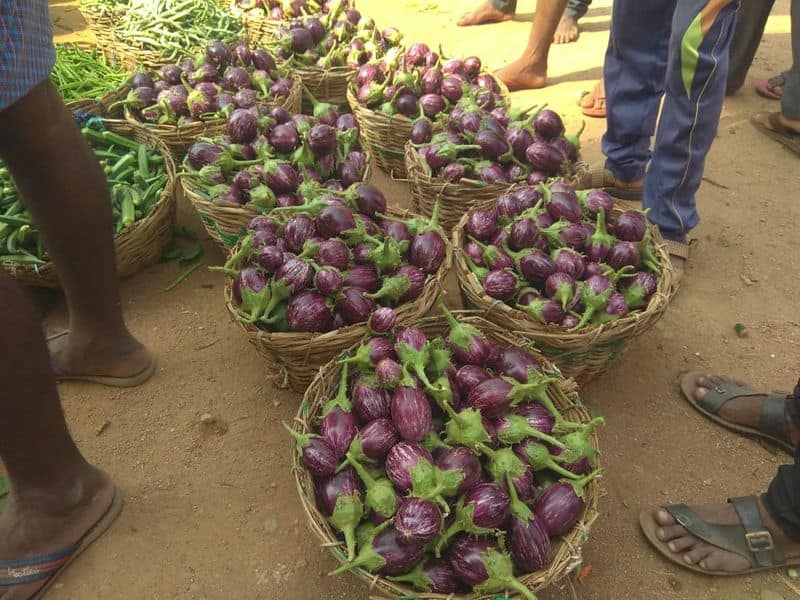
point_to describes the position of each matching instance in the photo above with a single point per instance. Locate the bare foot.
(33, 526)
(77, 354)
(593, 103)
(744, 410)
(522, 74)
(711, 558)
(567, 30)
(485, 13)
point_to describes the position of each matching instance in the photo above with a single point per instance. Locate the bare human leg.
(56, 496)
(530, 70)
(72, 210)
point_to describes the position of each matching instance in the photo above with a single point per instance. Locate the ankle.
(59, 497)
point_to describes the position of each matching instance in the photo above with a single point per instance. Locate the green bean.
(80, 73)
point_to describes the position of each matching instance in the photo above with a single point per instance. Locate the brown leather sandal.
(771, 423)
(598, 177)
(750, 539)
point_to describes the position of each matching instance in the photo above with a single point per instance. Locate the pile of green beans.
(136, 176)
(84, 74)
(173, 27)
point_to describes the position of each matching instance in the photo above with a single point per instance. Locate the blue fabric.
(643, 64)
(27, 54)
(790, 100)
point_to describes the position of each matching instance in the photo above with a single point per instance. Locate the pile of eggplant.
(209, 87)
(444, 463)
(423, 86)
(271, 158)
(339, 38)
(337, 261)
(283, 10)
(499, 145)
(562, 256)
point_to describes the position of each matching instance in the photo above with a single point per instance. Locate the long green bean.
(84, 74)
(136, 176)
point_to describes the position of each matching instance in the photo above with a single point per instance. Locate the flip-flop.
(772, 421)
(593, 110)
(767, 88)
(750, 539)
(598, 177)
(63, 374)
(777, 130)
(48, 567)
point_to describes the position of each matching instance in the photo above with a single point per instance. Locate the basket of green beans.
(86, 80)
(140, 173)
(150, 33)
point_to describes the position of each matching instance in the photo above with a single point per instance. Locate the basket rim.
(565, 388)
(604, 332)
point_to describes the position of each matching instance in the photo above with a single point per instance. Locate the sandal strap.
(757, 537)
(773, 416)
(720, 394)
(752, 541)
(28, 570)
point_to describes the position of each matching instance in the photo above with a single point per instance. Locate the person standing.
(676, 50)
(59, 503)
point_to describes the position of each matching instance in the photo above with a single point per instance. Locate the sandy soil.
(211, 510)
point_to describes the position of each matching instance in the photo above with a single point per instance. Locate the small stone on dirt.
(276, 403)
(102, 427)
(676, 585)
(270, 526)
(208, 419)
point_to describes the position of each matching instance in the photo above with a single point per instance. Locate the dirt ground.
(211, 510)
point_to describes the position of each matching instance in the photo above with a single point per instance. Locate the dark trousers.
(575, 8)
(782, 498)
(750, 24)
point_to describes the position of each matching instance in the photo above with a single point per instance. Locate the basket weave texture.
(566, 551)
(294, 359)
(180, 138)
(228, 224)
(137, 247)
(583, 354)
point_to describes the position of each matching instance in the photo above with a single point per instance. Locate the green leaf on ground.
(740, 330)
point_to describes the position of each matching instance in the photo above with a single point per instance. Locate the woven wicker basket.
(386, 137)
(226, 224)
(259, 28)
(294, 359)
(583, 354)
(326, 85)
(101, 23)
(137, 247)
(101, 106)
(179, 139)
(455, 198)
(566, 551)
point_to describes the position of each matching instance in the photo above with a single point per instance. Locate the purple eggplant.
(596, 201)
(482, 224)
(333, 253)
(317, 456)
(369, 401)
(548, 124)
(500, 284)
(638, 289)
(333, 220)
(362, 277)
(560, 287)
(385, 555)
(339, 498)
(338, 425)
(308, 312)
(560, 506)
(481, 510)
(403, 459)
(529, 544)
(491, 397)
(623, 254)
(515, 363)
(463, 460)
(433, 575)
(354, 305)
(630, 226)
(328, 281)
(383, 320)
(468, 376)
(373, 441)
(284, 138)
(484, 567)
(388, 373)
(417, 522)
(544, 157)
(411, 413)
(468, 344)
